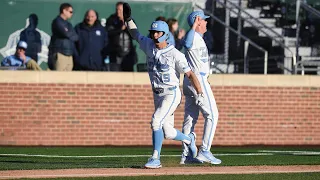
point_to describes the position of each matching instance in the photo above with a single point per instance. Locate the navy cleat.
(192, 146)
(189, 160)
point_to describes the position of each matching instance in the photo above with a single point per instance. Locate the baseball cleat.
(189, 160)
(183, 159)
(192, 146)
(206, 156)
(153, 163)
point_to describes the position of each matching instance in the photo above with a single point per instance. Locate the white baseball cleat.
(206, 156)
(153, 163)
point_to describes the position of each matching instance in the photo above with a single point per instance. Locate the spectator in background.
(122, 53)
(208, 36)
(61, 47)
(160, 18)
(19, 59)
(32, 37)
(176, 34)
(91, 46)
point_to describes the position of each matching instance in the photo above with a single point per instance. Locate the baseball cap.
(22, 44)
(194, 14)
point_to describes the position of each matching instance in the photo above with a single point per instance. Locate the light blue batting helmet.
(160, 26)
(192, 16)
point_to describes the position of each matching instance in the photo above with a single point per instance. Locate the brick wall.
(65, 112)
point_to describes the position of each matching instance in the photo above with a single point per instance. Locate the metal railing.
(314, 61)
(261, 23)
(240, 9)
(247, 41)
(251, 17)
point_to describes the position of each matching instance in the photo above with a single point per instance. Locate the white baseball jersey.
(197, 55)
(198, 58)
(164, 68)
(164, 65)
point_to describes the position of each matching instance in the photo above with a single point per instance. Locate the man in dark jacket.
(63, 37)
(122, 53)
(91, 47)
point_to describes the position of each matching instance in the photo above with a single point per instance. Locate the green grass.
(17, 163)
(291, 176)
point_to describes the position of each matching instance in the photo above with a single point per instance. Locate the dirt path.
(107, 172)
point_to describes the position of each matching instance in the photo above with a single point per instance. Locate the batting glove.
(200, 100)
(126, 12)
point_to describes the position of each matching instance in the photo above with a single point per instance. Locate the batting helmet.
(160, 26)
(194, 14)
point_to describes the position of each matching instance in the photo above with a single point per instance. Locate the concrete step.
(279, 31)
(268, 22)
(253, 12)
(303, 51)
(290, 41)
(287, 41)
(244, 3)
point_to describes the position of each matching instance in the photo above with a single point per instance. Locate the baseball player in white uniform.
(165, 63)
(198, 59)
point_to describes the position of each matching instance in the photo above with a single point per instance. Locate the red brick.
(88, 114)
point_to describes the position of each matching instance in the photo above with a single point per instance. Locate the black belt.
(161, 90)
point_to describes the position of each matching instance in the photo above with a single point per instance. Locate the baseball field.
(263, 162)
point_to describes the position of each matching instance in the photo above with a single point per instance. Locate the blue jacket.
(91, 47)
(14, 60)
(63, 37)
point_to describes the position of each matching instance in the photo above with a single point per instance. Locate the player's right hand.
(126, 12)
(200, 100)
(196, 22)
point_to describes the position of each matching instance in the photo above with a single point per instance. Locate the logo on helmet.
(154, 25)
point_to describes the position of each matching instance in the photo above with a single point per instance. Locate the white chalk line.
(260, 153)
(127, 156)
(291, 152)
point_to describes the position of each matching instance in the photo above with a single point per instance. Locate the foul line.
(260, 153)
(126, 156)
(291, 152)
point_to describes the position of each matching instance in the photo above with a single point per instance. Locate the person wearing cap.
(165, 63)
(19, 59)
(198, 59)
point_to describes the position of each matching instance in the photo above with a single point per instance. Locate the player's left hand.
(200, 100)
(126, 12)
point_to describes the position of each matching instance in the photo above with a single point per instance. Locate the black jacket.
(120, 41)
(63, 37)
(91, 47)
